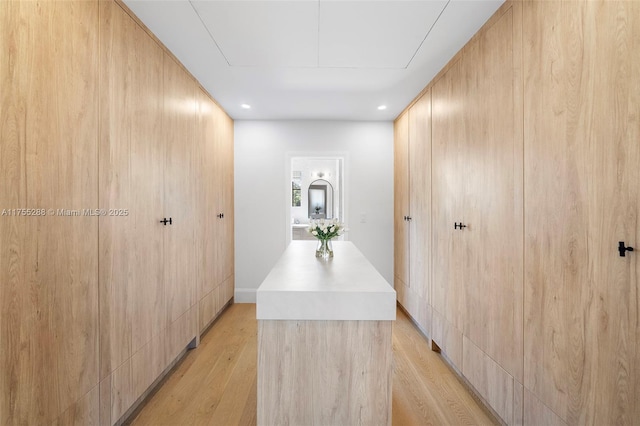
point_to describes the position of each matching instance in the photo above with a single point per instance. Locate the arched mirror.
(320, 198)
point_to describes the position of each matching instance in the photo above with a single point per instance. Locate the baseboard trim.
(245, 295)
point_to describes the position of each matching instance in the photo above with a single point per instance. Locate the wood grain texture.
(208, 307)
(105, 402)
(419, 159)
(131, 177)
(216, 384)
(536, 413)
(401, 198)
(425, 390)
(48, 159)
(178, 128)
(582, 127)
(225, 166)
(491, 381)
(84, 412)
(208, 279)
(197, 388)
(415, 307)
(214, 195)
(324, 372)
(492, 192)
(448, 132)
(477, 174)
(448, 338)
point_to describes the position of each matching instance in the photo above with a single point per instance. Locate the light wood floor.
(216, 383)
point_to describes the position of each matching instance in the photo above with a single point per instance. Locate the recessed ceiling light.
(382, 107)
(246, 106)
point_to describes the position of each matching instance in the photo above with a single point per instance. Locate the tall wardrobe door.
(131, 175)
(401, 202)
(420, 197)
(180, 109)
(492, 155)
(225, 154)
(447, 293)
(582, 195)
(207, 220)
(48, 160)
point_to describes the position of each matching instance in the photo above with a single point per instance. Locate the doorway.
(317, 192)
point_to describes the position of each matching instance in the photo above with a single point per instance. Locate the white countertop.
(346, 287)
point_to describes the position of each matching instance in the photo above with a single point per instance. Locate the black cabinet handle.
(622, 249)
(220, 215)
(165, 221)
(409, 218)
(457, 225)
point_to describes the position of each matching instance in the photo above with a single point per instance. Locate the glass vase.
(324, 249)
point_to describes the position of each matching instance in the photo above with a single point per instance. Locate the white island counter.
(346, 287)
(324, 339)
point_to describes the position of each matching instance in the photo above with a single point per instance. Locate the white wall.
(263, 150)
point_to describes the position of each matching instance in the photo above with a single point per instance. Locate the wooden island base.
(325, 350)
(324, 372)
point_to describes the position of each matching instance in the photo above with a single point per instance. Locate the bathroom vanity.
(324, 339)
(299, 232)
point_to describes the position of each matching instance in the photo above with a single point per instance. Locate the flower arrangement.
(326, 229)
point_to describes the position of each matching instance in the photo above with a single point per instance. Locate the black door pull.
(457, 225)
(165, 221)
(622, 249)
(220, 215)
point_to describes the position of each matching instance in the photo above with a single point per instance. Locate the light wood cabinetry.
(582, 195)
(477, 161)
(413, 211)
(132, 297)
(448, 104)
(96, 114)
(147, 270)
(178, 127)
(324, 372)
(420, 210)
(401, 204)
(48, 262)
(214, 165)
(224, 170)
(534, 149)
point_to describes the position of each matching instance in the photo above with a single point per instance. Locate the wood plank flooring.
(216, 383)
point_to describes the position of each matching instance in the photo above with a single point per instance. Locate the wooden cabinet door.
(218, 195)
(48, 160)
(225, 155)
(131, 190)
(492, 155)
(582, 192)
(178, 128)
(401, 199)
(206, 231)
(448, 132)
(420, 198)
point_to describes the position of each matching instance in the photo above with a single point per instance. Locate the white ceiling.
(314, 59)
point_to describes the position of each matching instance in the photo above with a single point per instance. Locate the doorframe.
(321, 155)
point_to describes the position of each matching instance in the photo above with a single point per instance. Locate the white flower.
(314, 232)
